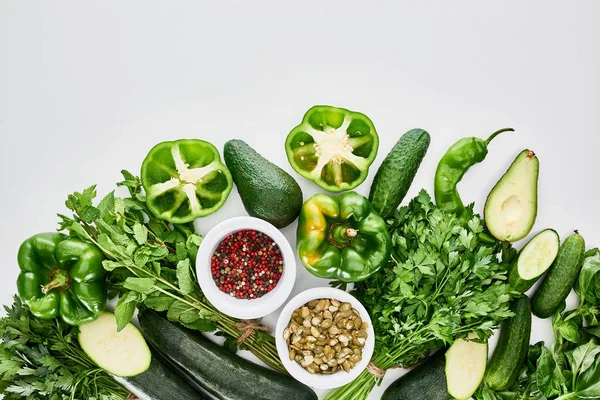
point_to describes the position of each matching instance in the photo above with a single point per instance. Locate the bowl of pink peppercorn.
(246, 267)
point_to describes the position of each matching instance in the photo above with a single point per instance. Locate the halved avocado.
(511, 206)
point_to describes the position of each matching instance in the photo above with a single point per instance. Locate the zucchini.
(561, 277)
(465, 367)
(159, 382)
(425, 382)
(123, 353)
(533, 260)
(508, 358)
(208, 366)
(396, 173)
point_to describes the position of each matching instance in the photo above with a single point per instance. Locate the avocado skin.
(267, 191)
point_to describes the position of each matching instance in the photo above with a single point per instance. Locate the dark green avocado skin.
(267, 191)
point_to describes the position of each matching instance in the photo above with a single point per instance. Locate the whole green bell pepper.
(333, 147)
(62, 277)
(184, 180)
(342, 237)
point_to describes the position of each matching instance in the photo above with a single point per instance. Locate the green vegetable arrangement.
(150, 263)
(40, 359)
(442, 283)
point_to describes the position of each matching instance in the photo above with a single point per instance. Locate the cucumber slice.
(535, 258)
(465, 367)
(122, 353)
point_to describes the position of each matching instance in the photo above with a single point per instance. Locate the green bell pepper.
(62, 277)
(185, 180)
(333, 147)
(342, 237)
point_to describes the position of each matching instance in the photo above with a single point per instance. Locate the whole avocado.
(267, 191)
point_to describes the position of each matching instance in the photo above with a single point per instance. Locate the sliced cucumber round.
(123, 353)
(465, 367)
(534, 259)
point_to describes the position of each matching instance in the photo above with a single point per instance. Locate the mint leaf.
(111, 265)
(140, 233)
(125, 309)
(202, 325)
(182, 312)
(106, 207)
(184, 277)
(142, 285)
(159, 303)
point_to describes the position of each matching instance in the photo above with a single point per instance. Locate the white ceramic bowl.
(245, 308)
(340, 378)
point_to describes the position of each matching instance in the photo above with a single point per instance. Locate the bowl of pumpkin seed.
(324, 337)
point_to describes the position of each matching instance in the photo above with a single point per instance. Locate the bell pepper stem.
(341, 235)
(493, 135)
(59, 279)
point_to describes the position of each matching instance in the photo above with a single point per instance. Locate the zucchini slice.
(465, 366)
(122, 353)
(535, 258)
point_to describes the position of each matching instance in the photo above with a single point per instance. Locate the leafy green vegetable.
(150, 263)
(588, 287)
(570, 368)
(443, 283)
(41, 359)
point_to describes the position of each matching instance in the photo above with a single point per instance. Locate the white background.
(87, 88)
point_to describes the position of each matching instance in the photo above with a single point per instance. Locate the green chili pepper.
(62, 277)
(342, 237)
(461, 156)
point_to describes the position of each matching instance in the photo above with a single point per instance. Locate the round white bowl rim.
(322, 381)
(245, 308)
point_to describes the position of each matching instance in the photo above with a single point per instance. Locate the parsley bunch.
(444, 282)
(151, 264)
(41, 359)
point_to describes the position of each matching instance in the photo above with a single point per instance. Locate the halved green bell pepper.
(184, 180)
(62, 277)
(333, 147)
(342, 237)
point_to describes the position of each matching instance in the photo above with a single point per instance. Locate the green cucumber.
(465, 366)
(396, 173)
(533, 260)
(556, 286)
(508, 358)
(159, 382)
(425, 382)
(208, 366)
(123, 353)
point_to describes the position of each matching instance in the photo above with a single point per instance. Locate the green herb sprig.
(151, 263)
(41, 359)
(445, 282)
